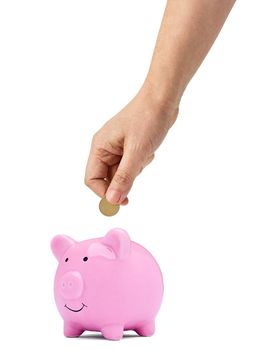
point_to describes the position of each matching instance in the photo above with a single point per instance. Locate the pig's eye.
(85, 258)
(66, 259)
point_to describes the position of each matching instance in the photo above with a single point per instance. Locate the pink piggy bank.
(107, 284)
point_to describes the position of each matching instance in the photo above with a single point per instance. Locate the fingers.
(111, 172)
(129, 167)
(97, 169)
(113, 176)
(96, 172)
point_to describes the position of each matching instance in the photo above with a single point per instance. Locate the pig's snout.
(71, 285)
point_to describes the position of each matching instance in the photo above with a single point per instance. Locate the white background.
(65, 68)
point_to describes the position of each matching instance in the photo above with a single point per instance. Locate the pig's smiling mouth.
(73, 310)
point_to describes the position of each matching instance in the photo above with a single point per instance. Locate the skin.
(127, 142)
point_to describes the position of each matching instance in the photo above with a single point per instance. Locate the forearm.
(188, 29)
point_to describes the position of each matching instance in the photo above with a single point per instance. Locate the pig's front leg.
(146, 329)
(72, 330)
(112, 332)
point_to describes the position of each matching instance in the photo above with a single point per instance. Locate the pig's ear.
(115, 245)
(60, 244)
(100, 249)
(119, 241)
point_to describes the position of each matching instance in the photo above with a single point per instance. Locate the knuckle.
(95, 138)
(87, 182)
(123, 178)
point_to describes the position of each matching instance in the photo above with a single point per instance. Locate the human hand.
(125, 145)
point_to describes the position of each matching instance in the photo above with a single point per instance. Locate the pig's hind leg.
(146, 329)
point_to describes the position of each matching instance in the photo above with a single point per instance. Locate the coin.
(107, 208)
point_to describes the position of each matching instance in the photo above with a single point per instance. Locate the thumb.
(129, 167)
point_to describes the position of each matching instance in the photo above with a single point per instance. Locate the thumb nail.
(114, 197)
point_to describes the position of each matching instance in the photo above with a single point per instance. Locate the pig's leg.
(146, 329)
(112, 331)
(72, 330)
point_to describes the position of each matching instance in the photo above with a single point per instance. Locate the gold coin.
(107, 208)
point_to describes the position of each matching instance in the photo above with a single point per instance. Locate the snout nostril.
(69, 284)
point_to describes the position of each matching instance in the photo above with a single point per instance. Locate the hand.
(127, 142)
(125, 145)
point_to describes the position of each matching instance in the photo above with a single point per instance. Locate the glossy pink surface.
(107, 284)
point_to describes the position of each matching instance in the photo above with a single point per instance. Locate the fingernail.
(114, 196)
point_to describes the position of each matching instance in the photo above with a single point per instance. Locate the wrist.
(162, 100)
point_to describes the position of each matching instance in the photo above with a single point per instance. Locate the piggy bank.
(108, 284)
